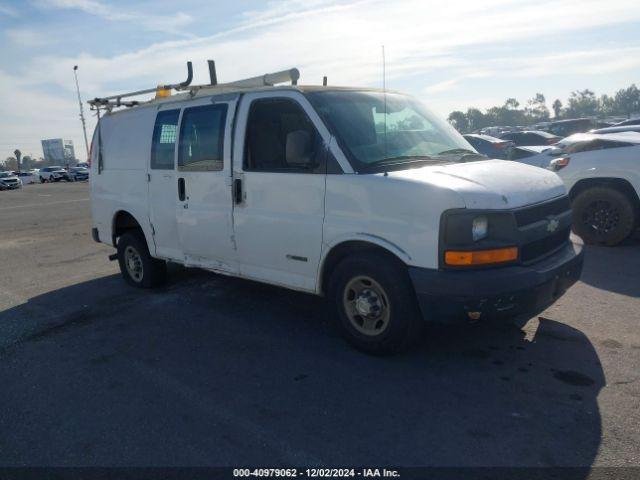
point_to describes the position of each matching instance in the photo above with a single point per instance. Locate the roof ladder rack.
(267, 80)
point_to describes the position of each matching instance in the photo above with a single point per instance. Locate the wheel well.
(123, 222)
(619, 184)
(343, 250)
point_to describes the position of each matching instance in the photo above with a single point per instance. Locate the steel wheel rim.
(601, 217)
(367, 305)
(133, 263)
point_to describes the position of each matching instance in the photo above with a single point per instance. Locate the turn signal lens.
(481, 257)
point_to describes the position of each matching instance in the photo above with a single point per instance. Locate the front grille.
(544, 246)
(535, 213)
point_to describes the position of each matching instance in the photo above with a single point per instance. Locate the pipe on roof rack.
(292, 75)
(187, 82)
(176, 86)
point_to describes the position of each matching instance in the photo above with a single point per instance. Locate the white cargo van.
(359, 195)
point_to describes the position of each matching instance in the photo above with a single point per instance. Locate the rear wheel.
(373, 299)
(137, 266)
(603, 215)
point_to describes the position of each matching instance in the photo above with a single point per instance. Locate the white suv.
(360, 195)
(602, 174)
(52, 174)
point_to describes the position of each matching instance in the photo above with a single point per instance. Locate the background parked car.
(52, 174)
(602, 174)
(28, 177)
(77, 174)
(564, 128)
(631, 121)
(9, 181)
(522, 152)
(492, 147)
(530, 137)
(618, 129)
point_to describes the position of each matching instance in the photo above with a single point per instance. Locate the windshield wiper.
(455, 151)
(465, 153)
(403, 159)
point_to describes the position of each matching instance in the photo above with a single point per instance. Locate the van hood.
(490, 184)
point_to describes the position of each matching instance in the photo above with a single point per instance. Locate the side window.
(164, 140)
(281, 138)
(614, 144)
(202, 138)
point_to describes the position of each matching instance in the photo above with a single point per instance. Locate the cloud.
(27, 38)
(173, 23)
(451, 83)
(442, 86)
(423, 40)
(578, 62)
(343, 40)
(8, 10)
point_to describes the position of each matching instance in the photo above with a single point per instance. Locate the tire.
(380, 284)
(42, 180)
(137, 266)
(603, 216)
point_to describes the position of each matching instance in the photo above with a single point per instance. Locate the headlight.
(479, 228)
(559, 163)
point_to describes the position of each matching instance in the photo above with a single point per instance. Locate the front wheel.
(137, 266)
(373, 299)
(603, 216)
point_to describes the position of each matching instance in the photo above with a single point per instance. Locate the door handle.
(182, 194)
(237, 190)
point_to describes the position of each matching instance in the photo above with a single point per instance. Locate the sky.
(451, 54)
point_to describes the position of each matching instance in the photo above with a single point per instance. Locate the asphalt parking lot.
(217, 371)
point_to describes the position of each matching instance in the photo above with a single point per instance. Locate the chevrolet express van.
(359, 195)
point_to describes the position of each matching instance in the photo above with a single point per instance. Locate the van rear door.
(203, 184)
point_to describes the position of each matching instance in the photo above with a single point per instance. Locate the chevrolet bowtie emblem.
(552, 226)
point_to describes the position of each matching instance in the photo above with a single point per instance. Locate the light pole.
(84, 126)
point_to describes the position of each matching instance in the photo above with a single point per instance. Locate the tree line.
(27, 162)
(581, 103)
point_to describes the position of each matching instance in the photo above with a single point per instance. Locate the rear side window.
(164, 140)
(202, 138)
(596, 144)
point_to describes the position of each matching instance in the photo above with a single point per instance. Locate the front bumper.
(12, 186)
(446, 296)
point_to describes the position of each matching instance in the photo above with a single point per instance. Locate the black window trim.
(320, 168)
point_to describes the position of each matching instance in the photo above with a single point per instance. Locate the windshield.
(378, 129)
(5, 174)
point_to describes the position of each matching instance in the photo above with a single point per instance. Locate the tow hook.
(112, 257)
